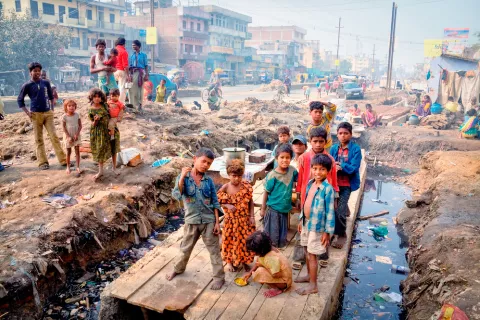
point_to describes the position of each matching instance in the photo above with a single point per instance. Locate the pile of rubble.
(436, 121)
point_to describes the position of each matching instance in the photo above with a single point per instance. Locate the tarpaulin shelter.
(454, 76)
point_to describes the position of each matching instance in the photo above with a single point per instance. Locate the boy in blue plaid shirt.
(317, 220)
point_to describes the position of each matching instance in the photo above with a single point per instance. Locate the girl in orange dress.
(235, 198)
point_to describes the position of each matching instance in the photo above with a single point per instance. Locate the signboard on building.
(456, 33)
(152, 35)
(219, 49)
(432, 48)
(455, 47)
(142, 33)
(337, 62)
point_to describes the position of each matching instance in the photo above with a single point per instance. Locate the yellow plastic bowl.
(240, 282)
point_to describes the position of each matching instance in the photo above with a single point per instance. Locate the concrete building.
(88, 20)
(182, 36)
(285, 44)
(311, 56)
(228, 32)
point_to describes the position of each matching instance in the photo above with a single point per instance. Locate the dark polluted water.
(371, 290)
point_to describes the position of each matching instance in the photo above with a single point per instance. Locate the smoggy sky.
(368, 19)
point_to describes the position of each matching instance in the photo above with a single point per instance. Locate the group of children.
(323, 177)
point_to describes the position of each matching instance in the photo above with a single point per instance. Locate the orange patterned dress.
(237, 226)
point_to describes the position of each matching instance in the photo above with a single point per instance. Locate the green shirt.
(279, 187)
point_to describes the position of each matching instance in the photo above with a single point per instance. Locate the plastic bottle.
(400, 269)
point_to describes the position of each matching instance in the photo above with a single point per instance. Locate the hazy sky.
(368, 19)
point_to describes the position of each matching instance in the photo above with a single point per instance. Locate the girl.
(469, 128)
(272, 267)
(236, 198)
(72, 126)
(102, 147)
(161, 92)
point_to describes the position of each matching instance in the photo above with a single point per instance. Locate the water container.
(436, 108)
(400, 269)
(413, 120)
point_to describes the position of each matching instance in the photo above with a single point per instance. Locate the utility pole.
(391, 48)
(338, 44)
(152, 24)
(373, 64)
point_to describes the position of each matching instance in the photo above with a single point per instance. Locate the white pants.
(121, 77)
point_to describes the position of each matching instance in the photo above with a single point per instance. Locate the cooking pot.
(234, 153)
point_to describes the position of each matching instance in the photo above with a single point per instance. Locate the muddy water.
(369, 266)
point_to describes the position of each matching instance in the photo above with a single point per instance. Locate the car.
(156, 78)
(349, 90)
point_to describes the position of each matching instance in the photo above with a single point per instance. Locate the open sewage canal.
(372, 282)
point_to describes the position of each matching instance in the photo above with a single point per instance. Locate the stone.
(162, 236)
(3, 292)
(156, 220)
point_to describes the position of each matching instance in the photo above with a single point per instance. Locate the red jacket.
(304, 173)
(122, 59)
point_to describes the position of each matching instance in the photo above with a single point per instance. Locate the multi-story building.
(88, 20)
(311, 56)
(228, 32)
(182, 36)
(282, 44)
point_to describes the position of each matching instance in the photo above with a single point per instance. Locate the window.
(198, 49)
(199, 27)
(48, 9)
(18, 6)
(184, 24)
(188, 48)
(89, 14)
(112, 18)
(75, 42)
(109, 44)
(92, 42)
(73, 13)
(192, 28)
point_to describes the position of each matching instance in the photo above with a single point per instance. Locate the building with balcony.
(87, 20)
(287, 42)
(182, 36)
(228, 32)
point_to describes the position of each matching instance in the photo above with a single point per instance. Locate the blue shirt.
(40, 94)
(352, 166)
(138, 60)
(322, 213)
(279, 187)
(198, 202)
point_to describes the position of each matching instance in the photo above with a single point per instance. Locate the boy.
(348, 157)
(321, 119)
(317, 220)
(115, 108)
(198, 194)
(283, 137)
(299, 145)
(306, 92)
(277, 198)
(41, 114)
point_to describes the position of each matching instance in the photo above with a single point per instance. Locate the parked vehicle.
(349, 90)
(227, 77)
(265, 77)
(252, 76)
(156, 78)
(69, 78)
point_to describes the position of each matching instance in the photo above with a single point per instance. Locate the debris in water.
(383, 259)
(379, 201)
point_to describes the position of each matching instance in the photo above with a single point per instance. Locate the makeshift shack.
(454, 76)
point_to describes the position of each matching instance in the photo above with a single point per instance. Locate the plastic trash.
(131, 157)
(60, 200)
(204, 133)
(383, 259)
(451, 312)
(391, 297)
(400, 269)
(380, 231)
(160, 162)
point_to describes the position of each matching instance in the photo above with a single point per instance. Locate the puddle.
(80, 297)
(371, 258)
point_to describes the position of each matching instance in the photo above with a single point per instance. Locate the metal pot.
(234, 153)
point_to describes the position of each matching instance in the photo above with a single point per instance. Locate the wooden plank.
(159, 294)
(378, 214)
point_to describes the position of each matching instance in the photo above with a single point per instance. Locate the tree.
(25, 39)
(345, 66)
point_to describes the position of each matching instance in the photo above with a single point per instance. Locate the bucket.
(436, 108)
(234, 153)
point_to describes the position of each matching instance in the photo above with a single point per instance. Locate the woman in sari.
(370, 118)
(469, 128)
(423, 109)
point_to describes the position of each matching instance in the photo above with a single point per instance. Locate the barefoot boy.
(198, 194)
(317, 220)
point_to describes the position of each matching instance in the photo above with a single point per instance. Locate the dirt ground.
(39, 243)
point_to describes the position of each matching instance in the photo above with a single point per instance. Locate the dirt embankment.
(443, 225)
(39, 244)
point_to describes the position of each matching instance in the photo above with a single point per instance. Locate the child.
(451, 105)
(72, 126)
(198, 194)
(101, 145)
(111, 62)
(321, 119)
(299, 145)
(283, 137)
(317, 220)
(172, 99)
(115, 109)
(348, 157)
(277, 199)
(236, 198)
(469, 129)
(306, 92)
(272, 267)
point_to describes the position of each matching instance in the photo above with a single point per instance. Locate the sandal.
(44, 166)
(323, 263)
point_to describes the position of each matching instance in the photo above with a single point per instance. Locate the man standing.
(122, 67)
(138, 66)
(41, 114)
